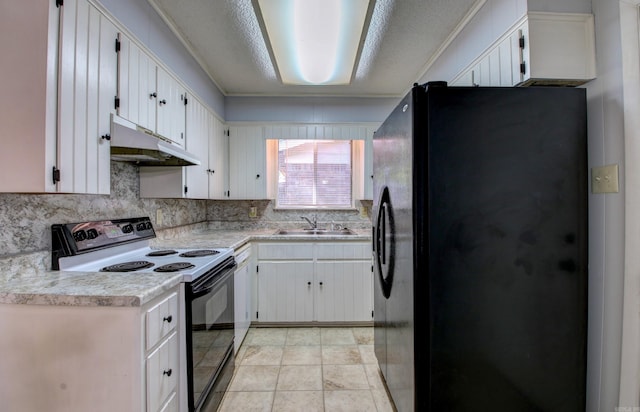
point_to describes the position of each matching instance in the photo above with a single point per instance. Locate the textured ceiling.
(225, 37)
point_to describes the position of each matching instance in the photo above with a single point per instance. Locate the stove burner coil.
(162, 252)
(199, 253)
(174, 267)
(127, 266)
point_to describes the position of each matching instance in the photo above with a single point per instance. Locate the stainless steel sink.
(310, 232)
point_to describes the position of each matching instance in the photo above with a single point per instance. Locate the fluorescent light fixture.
(314, 41)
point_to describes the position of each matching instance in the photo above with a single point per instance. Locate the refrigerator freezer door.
(393, 309)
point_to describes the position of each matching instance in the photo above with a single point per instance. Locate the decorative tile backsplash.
(235, 214)
(26, 219)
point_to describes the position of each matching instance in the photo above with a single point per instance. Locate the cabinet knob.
(168, 319)
(308, 283)
(161, 102)
(257, 176)
(154, 94)
(167, 372)
(320, 283)
(106, 137)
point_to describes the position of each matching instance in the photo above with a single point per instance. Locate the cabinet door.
(285, 291)
(197, 142)
(343, 291)
(247, 163)
(87, 88)
(171, 112)
(218, 156)
(242, 300)
(163, 367)
(136, 85)
(368, 165)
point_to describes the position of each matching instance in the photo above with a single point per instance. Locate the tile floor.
(307, 369)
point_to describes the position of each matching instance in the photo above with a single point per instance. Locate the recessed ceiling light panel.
(314, 41)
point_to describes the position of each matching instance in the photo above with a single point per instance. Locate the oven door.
(209, 316)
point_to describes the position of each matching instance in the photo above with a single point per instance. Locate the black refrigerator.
(480, 249)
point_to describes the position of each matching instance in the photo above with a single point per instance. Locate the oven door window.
(212, 332)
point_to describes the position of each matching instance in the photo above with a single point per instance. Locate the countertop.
(23, 283)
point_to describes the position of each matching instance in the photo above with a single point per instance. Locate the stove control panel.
(75, 238)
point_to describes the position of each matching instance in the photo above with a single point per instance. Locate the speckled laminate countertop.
(22, 282)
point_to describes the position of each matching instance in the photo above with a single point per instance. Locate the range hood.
(131, 143)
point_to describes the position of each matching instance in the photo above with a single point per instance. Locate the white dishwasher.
(242, 294)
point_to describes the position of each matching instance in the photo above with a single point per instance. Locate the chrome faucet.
(314, 223)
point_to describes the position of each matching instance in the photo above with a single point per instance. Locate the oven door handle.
(211, 284)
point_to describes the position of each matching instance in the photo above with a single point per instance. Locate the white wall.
(308, 109)
(630, 369)
(607, 223)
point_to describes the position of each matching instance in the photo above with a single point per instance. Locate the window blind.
(314, 173)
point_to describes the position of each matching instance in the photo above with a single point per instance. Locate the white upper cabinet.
(88, 87)
(557, 49)
(56, 105)
(368, 165)
(148, 95)
(171, 111)
(541, 49)
(247, 163)
(205, 138)
(198, 131)
(137, 85)
(218, 158)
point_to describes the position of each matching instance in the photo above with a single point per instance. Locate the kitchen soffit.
(226, 39)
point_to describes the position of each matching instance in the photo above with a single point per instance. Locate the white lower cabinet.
(285, 291)
(162, 372)
(343, 291)
(162, 352)
(242, 292)
(314, 281)
(92, 358)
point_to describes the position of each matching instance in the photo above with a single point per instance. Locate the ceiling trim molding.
(452, 36)
(187, 45)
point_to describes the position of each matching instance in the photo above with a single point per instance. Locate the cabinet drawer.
(161, 319)
(162, 372)
(285, 251)
(343, 250)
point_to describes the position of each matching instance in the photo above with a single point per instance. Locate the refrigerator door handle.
(383, 233)
(385, 266)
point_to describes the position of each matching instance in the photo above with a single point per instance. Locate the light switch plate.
(604, 179)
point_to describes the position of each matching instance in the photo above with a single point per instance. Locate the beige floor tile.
(363, 336)
(296, 401)
(254, 378)
(300, 378)
(247, 401)
(262, 355)
(306, 369)
(266, 336)
(373, 376)
(336, 377)
(341, 355)
(302, 355)
(368, 354)
(349, 401)
(337, 336)
(303, 336)
(383, 404)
